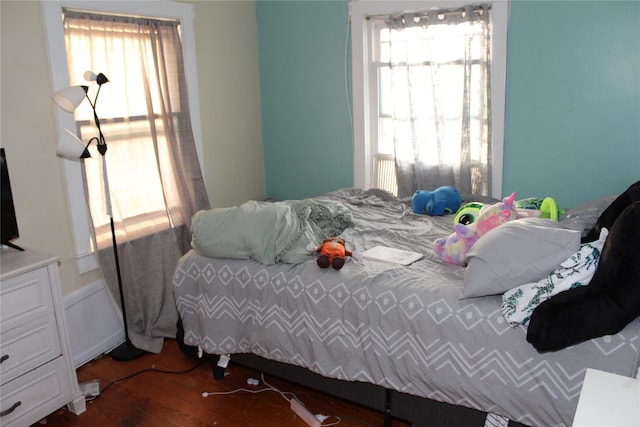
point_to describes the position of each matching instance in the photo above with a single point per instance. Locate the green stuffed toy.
(530, 207)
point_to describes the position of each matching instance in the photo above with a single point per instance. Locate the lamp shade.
(70, 147)
(90, 76)
(99, 78)
(69, 98)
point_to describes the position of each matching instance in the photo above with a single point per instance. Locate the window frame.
(52, 16)
(364, 93)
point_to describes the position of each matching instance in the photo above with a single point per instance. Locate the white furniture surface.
(608, 400)
(36, 370)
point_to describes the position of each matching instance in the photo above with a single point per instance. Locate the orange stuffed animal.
(332, 252)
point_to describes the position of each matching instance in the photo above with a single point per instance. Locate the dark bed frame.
(419, 411)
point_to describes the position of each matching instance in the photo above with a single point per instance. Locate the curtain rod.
(424, 14)
(117, 15)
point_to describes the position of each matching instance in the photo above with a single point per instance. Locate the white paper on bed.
(394, 255)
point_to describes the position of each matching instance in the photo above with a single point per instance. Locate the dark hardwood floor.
(153, 398)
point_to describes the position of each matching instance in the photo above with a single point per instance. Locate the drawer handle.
(3, 358)
(10, 410)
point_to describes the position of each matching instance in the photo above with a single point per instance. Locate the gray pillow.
(517, 252)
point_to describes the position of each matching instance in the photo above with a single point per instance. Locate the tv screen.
(9, 226)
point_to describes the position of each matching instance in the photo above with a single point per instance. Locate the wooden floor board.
(151, 399)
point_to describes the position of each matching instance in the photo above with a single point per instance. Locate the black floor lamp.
(72, 148)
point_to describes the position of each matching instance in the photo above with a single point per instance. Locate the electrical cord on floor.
(267, 387)
(347, 417)
(325, 420)
(152, 369)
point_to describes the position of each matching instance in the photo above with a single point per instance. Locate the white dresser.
(37, 376)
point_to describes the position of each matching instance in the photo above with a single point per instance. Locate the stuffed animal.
(453, 249)
(332, 253)
(611, 300)
(468, 213)
(531, 207)
(539, 208)
(442, 200)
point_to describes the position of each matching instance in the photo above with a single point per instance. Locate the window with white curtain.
(144, 191)
(116, 119)
(409, 77)
(112, 44)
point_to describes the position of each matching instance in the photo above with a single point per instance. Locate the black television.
(9, 223)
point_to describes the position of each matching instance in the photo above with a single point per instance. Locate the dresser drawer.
(24, 298)
(33, 396)
(28, 346)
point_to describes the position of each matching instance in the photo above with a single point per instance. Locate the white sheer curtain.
(154, 175)
(439, 76)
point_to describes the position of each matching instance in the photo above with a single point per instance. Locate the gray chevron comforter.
(403, 328)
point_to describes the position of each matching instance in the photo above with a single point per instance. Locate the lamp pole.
(125, 351)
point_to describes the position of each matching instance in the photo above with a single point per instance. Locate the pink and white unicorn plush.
(453, 249)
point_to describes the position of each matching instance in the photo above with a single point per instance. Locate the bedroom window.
(133, 169)
(428, 93)
(121, 48)
(154, 175)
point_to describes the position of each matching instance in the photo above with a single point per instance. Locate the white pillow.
(517, 252)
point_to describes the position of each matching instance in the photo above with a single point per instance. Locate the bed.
(400, 339)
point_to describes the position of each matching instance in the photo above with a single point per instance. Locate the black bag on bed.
(612, 298)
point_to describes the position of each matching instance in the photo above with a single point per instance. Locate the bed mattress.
(404, 328)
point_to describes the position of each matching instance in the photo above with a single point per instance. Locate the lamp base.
(126, 352)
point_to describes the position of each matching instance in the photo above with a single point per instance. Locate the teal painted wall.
(306, 128)
(573, 98)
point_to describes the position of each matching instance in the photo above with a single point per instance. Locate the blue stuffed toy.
(442, 200)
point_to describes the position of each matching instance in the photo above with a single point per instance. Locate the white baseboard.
(93, 323)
